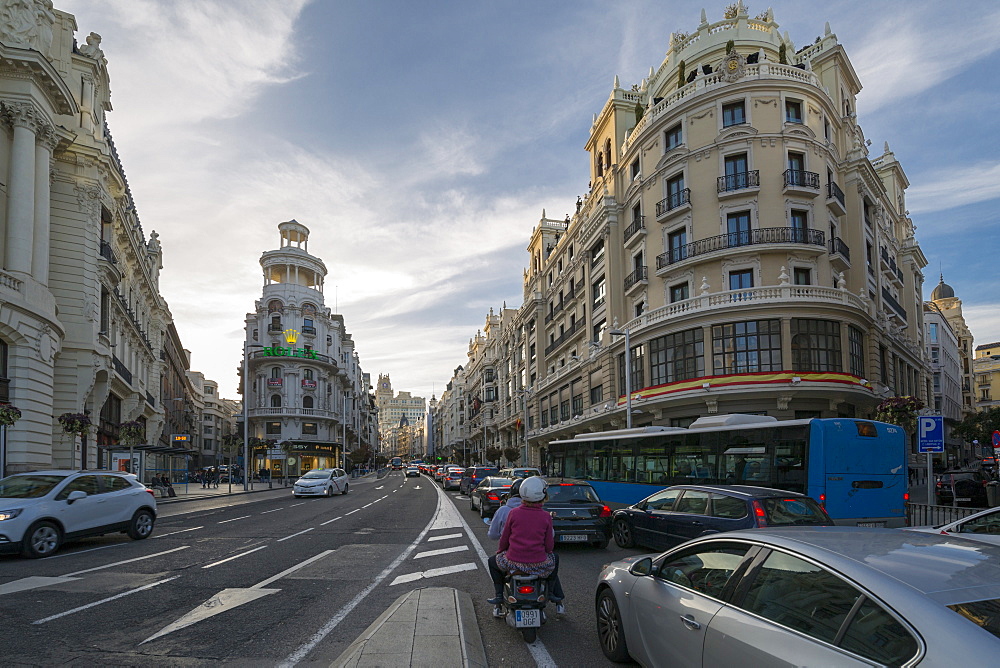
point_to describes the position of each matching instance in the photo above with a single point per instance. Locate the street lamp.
(628, 374)
(524, 392)
(246, 414)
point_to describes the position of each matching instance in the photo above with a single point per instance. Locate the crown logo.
(291, 336)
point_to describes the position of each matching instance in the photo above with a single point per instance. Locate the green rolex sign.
(281, 351)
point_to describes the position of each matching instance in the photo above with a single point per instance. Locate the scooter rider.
(526, 543)
(500, 516)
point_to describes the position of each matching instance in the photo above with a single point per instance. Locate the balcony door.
(736, 171)
(738, 229)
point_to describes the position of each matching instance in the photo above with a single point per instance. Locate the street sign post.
(930, 440)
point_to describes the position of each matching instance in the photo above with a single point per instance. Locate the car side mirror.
(642, 567)
(76, 495)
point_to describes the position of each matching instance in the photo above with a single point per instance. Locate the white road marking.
(287, 571)
(127, 561)
(333, 520)
(33, 582)
(295, 534)
(342, 614)
(164, 535)
(93, 549)
(352, 512)
(296, 504)
(380, 487)
(271, 511)
(435, 572)
(446, 550)
(461, 497)
(243, 554)
(367, 504)
(445, 537)
(104, 600)
(414, 487)
(234, 519)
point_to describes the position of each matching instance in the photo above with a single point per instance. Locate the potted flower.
(130, 434)
(77, 424)
(9, 415)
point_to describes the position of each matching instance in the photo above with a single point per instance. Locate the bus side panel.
(865, 478)
(625, 493)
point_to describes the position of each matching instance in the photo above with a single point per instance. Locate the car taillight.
(526, 589)
(605, 511)
(492, 497)
(906, 496)
(151, 492)
(760, 517)
(822, 500)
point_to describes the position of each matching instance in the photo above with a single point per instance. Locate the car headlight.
(9, 514)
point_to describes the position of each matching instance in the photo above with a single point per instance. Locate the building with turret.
(398, 415)
(308, 399)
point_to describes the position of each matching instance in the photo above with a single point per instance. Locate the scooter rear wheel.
(529, 635)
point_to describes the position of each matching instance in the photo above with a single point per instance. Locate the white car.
(412, 471)
(983, 526)
(321, 482)
(40, 510)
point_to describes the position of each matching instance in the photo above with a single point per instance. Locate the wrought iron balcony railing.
(739, 181)
(672, 201)
(800, 179)
(766, 235)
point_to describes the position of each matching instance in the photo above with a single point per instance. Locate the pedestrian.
(215, 479)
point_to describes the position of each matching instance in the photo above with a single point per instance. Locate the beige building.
(83, 325)
(401, 420)
(737, 233)
(986, 367)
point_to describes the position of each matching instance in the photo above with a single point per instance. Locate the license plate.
(527, 619)
(873, 525)
(574, 538)
(964, 498)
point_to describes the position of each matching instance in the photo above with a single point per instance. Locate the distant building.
(986, 367)
(393, 409)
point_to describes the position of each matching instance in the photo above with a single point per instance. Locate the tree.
(680, 75)
(783, 54)
(979, 427)
(493, 453)
(511, 455)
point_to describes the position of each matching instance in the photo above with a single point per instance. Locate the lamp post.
(246, 413)
(524, 392)
(628, 374)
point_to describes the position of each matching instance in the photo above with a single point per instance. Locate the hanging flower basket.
(75, 423)
(9, 415)
(131, 433)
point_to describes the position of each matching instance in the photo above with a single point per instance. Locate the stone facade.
(401, 420)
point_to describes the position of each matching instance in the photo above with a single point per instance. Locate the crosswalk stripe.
(451, 535)
(434, 572)
(446, 550)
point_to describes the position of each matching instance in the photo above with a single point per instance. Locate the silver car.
(983, 526)
(805, 596)
(321, 482)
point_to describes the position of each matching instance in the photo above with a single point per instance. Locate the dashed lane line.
(234, 519)
(295, 534)
(164, 535)
(323, 524)
(352, 512)
(127, 561)
(296, 504)
(104, 600)
(274, 510)
(237, 556)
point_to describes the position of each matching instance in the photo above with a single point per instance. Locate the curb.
(226, 495)
(470, 642)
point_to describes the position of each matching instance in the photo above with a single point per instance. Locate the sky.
(420, 142)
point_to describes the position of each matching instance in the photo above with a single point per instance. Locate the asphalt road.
(266, 579)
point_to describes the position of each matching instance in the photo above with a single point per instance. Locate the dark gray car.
(805, 596)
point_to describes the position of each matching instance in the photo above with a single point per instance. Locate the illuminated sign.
(281, 351)
(180, 438)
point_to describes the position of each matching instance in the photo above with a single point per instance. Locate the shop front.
(295, 457)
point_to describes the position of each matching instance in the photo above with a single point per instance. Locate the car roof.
(744, 491)
(947, 568)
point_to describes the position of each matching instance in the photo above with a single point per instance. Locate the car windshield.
(572, 494)
(316, 474)
(794, 511)
(28, 486)
(981, 613)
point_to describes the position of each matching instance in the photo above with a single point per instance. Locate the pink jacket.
(527, 535)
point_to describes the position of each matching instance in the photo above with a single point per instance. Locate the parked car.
(489, 495)
(578, 514)
(519, 472)
(982, 526)
(412, 471)
(41, 510)
(804, 596)
(961, 487)
(452, 477)
(321, 482)
(682, 512)
(474, 475)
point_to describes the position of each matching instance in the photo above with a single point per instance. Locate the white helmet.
(533, 489)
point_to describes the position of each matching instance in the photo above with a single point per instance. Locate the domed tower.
(298, 374)
(950, 307)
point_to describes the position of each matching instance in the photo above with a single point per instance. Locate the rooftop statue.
(27, 24)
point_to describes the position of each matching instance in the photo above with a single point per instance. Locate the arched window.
(307, 374)
(307, 401)
(308, 310)
(607, 153)
(275, 401)
(275, 306)
(276, 372)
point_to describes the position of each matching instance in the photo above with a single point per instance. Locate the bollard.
(992, 489)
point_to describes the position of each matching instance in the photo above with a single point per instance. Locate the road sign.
(930, 433)
(996, 439)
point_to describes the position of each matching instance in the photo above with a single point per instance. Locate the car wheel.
(623, 533)
(296, 496)
(609, 628)
(482, 511)
(141, 524)
(472, 502)
(41, 540)
(347, 488)
(602, 543)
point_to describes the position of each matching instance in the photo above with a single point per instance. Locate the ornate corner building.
(307, 392)
(737, 233)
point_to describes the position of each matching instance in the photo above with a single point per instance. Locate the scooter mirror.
(487, 521)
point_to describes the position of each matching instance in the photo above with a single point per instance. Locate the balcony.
(889, 267)
(638, 225)
(637, 277)
(565, 336)
(801, 183)
(275, 382)
(738, 183)
(293, 411)
(309, 330)
(121, 369)
(309, 384)
(840, 253)
(674, 203)
(897, 309)
(766, 235)
(275, 327)
(835, 199)
(107, 253)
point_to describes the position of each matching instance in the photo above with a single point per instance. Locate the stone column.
(47, 141)
(21, 191)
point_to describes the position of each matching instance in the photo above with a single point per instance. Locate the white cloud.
(984, 322)
(954, 187)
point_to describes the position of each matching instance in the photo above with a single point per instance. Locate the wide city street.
(267, 579)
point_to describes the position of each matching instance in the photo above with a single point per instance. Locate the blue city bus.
(855, 468)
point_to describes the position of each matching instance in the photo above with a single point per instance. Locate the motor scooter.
(523, 604)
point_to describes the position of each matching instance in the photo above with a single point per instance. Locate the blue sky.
(420, 142)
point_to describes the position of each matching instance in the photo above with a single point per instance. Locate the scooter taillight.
(525, 589)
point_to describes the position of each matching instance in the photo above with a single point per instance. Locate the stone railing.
(8, 281)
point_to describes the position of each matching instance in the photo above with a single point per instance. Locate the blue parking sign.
(930, 433)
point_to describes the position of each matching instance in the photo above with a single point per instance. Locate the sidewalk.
(435, 627)
(194, 491)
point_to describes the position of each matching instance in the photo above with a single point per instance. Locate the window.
(800, 595)
(796, 174)
(276, 372)
(272, 427)
(307, 401)
(635, 168)
(733, 114)
(679, 293)
(676, 193)
(599, 329)
(740, 280)
(932, 332)
(793, 111)
(815, 345)
(677, 244)
(275, 401)
(704, 569)
(85, 483)
(856, 350)
(875, 634)
(728, 507)
(692, 502)
(746, 347)
(662, 500)
(673, 138)
(640, 308)
(596, 394)
(599, 292)
(677, 356)
(737, 176)
(597, 252)
(209, 390)
(309, 429)
(935, 354)
(800, 223)
(307, 374)
(636, 214)
(802, 276)
(738, 227)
